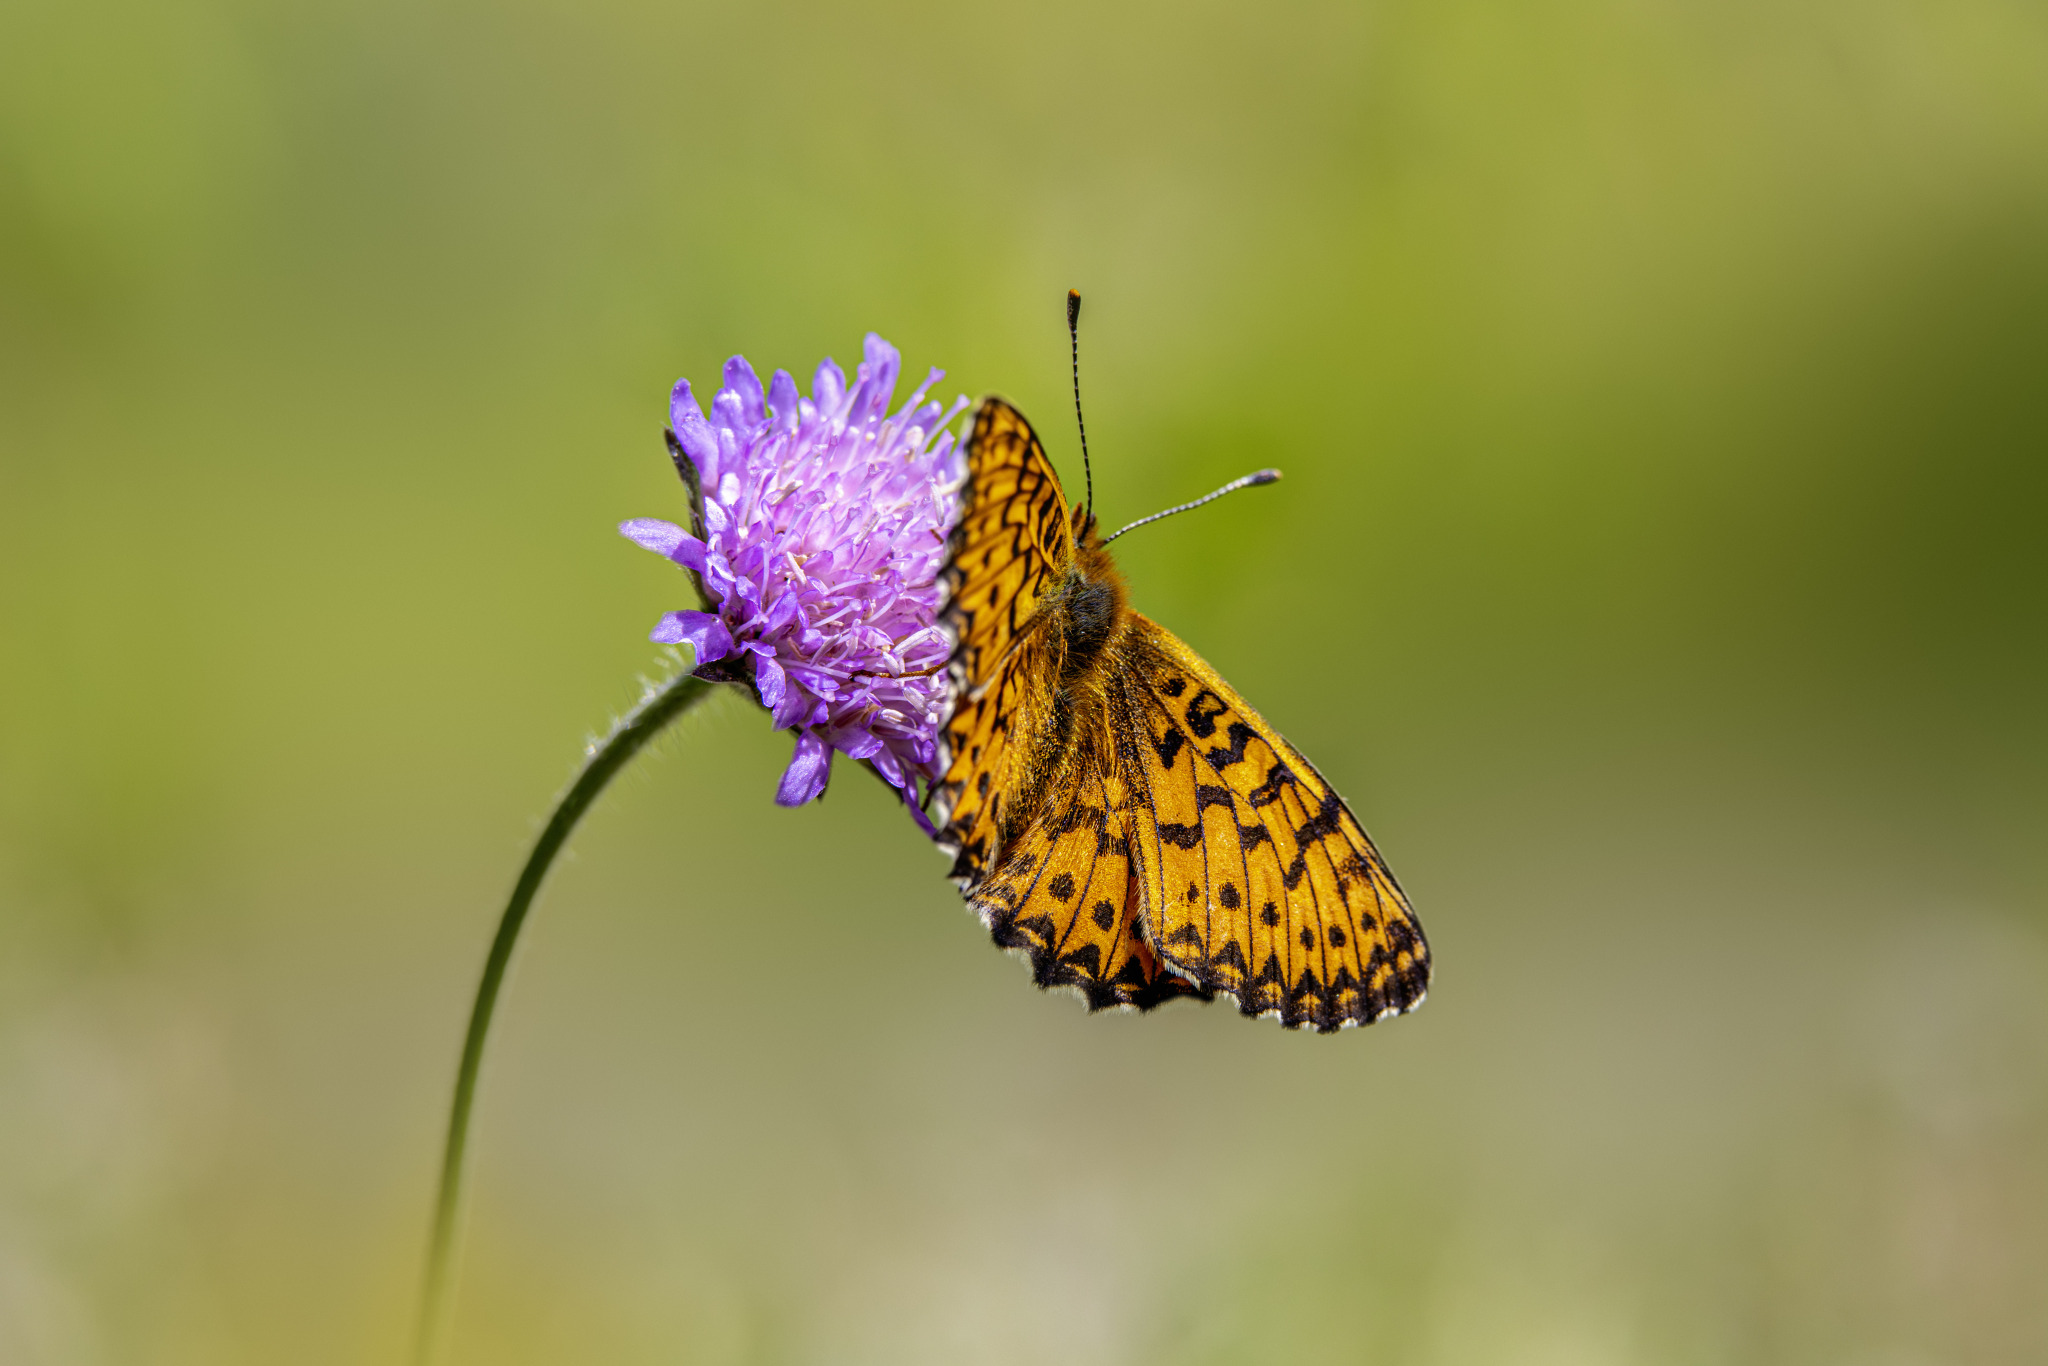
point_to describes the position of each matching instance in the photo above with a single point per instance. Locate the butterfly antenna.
(1074, 336)
(1248, 481)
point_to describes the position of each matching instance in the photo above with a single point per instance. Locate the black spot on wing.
(1239, 735)
(1168, 746)
(1327, 821)
(1278, 777)
(1296, 870)
(972, 856)
(1401, 936)
(1087, 958)
(1203, 709)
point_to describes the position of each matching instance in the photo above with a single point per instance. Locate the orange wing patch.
(1066, 897)
(1014, 542)
(1257, 879)
(986, 766)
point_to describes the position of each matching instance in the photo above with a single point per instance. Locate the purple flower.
(821, 528)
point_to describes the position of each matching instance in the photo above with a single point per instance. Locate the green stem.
(627, 739)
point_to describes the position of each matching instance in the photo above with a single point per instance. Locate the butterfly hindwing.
(985, 768)
(1066, 897)
(1257, 879)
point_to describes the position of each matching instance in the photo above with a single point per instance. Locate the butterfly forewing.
(1014, 542)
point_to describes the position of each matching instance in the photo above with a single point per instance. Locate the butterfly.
(1115, 810)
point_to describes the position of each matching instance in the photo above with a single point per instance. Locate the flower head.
(821, 529)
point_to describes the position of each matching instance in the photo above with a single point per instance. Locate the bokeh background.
(1660, 571)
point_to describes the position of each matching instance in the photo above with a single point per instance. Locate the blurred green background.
(1663, 394)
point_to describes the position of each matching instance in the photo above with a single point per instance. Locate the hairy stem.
(627, 739)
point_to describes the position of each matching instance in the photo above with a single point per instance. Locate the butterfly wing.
(1257, 879)
(1066, 895)
(1013, 545)
(986, 744)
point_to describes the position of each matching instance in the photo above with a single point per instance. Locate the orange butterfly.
(1116, 810)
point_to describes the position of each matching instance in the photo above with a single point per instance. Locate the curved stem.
(627, 739)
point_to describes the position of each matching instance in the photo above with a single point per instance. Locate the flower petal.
(778, 617)
(665, 538)
(884, 362)
(809, 769)
(796, 706)
(703, 632)
(718, 576)
(740, 379)
(924, 822)
(686, 419)
(857, 744)
(828, 387)
(782, 398)
(768, 680)
(730, 419)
